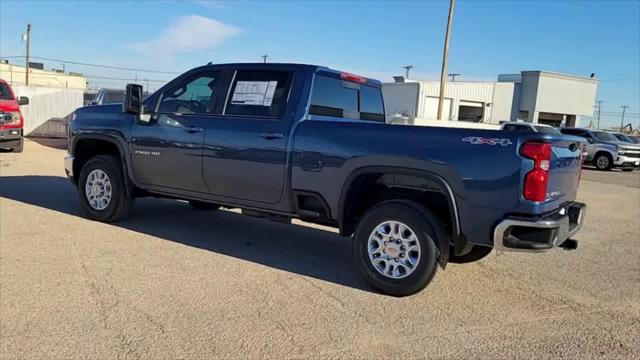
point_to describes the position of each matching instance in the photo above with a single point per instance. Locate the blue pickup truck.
(285, 141)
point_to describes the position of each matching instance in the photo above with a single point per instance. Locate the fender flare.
(445, 189)
(113, 140)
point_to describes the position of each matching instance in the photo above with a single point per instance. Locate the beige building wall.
(15, 74)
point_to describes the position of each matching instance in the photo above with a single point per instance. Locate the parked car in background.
(520, 126)
(286, 141)
(110, 96)
(622, 137)
(605, 151)
(11, 120)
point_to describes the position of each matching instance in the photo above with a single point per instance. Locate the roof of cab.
(282, 66)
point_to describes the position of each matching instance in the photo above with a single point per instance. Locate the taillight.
(353, 78)
(535, 182)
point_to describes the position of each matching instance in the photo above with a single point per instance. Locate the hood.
(9, 105)
(622, 144)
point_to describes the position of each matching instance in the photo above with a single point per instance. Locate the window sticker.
(258, 93)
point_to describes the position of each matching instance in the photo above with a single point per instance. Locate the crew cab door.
(167, 152)
(245, 148)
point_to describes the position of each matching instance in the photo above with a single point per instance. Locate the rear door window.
(345, 99)
(259, 93)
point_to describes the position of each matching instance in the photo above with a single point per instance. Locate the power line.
(99, 77)
(96, 65)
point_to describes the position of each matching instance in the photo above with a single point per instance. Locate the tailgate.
(565, 167)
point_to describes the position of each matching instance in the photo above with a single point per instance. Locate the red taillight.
(535, 182)
(353, 78)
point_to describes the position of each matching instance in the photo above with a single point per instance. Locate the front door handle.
(272, 135)
(192, 129)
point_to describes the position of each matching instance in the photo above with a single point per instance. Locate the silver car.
(606, 151)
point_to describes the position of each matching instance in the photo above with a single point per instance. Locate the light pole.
(453, 77)
(599, 111)
(445, 56)
(28, 41)
(406, 70)
(624, 108)
(264, 58)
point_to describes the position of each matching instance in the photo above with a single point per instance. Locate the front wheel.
(603, 162)
(395, 247)
(101, 186)
(19, 147)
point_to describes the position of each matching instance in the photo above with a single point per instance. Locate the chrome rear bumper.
(538, 235)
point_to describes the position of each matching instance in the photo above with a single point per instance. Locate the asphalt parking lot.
(171, 282)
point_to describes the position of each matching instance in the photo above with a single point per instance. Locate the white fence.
(48, 109)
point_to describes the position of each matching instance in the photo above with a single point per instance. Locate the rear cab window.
(335, 97)
(517, 128)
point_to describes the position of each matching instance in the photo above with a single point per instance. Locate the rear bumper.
(538, 235)
(10, 138)
(68, 166)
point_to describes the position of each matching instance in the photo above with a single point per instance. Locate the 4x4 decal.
(475, 140)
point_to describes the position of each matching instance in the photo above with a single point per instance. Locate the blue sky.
(370, 38)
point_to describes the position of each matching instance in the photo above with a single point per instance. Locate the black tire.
(476, 253)
(427, 229)
(201, 205)
(605, 164)
(19, 148)
(120, 199)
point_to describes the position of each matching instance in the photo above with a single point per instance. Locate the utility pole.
(28, 40)
(406, 70)
(599, 102)
(264, 58)
(453, 77)
(445, 57)
(624, 108)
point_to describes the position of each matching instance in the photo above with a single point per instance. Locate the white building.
(534, 96)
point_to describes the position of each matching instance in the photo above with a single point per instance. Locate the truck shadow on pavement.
(294, 248)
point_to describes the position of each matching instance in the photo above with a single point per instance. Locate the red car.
(11, 120)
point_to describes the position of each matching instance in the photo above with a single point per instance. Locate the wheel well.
(369, 189)
(85, 149)
(601, 152)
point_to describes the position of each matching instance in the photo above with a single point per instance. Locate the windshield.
(546, 130)
(5, 93)
(623, 138)
(604, 136)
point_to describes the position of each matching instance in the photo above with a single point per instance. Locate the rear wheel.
(101, 186)
(395, 247)
(603, 162)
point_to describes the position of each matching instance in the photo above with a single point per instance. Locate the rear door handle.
(272, 135)
(192, 129)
